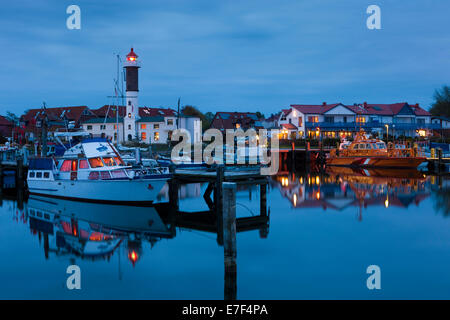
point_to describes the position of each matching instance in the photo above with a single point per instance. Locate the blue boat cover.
(444, 146)
(95, 140)
(40, 164)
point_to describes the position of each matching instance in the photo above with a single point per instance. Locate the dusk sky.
(224, 55)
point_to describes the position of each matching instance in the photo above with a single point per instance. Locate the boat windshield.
(109, 162)
(96, 162)
(118, 161)
(381, 145)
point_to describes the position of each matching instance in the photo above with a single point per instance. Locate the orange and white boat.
(367, 152)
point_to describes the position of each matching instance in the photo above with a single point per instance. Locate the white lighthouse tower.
(131, 66)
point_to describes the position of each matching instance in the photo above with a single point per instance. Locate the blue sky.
(224, 55)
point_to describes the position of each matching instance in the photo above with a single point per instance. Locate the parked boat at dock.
(367, 152)
(94, 171)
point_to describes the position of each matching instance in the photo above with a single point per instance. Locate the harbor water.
(323, 232)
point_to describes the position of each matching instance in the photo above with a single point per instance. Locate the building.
(235, 120)
(134, 123)
(444, 126)
(339, 120)
(6, 127)
(57, 118)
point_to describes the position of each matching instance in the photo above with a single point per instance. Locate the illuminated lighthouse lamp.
(132, 59)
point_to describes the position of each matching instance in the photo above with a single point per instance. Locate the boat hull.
(137, 191)
(382, 162)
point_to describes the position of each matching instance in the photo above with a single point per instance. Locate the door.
(74, 170)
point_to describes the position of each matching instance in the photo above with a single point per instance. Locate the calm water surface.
(323, 232)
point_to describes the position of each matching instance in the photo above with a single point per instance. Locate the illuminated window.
(118, 161)
(238, 125)
(108, 161)
(143, 126)
(360, 119)
(144, 135)
(156, 136)
(314, 119)
(96, 162)
(65, 167)
(156, 126)
(169, 122)
(115, 126)
(300, 121)
(84, 164)
(89, 127)
(129, 115)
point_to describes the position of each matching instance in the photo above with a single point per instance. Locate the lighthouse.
(131, 66)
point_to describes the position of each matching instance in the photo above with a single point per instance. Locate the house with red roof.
(153, 125)
(235, 120)
(6, 127)
(339, 120)
(69, 117)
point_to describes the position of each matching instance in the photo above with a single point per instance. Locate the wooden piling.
(218, 202)
(263, 199)
(229, 235)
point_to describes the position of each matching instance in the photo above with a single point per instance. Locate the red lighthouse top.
(132, 56)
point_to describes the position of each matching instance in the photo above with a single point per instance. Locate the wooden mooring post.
(229, 240)
(218, 202)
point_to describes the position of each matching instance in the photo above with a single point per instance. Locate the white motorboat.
(94, 171)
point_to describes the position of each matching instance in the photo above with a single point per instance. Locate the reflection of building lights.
(301, 180)
(309, 180)
(386, 202)
(317, 180)
(318, 195)
(295, 199)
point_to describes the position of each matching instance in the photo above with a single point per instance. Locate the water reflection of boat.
(343, 187)
(92, 230)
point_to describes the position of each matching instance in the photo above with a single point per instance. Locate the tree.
(12, 118)
(193, 111)
(260, 115)
(441, 105)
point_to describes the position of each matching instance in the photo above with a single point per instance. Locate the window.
(89, 127)
(118, 161)
(39, 174)
(129, 102)
(290, 120)
(31, 175)
(129, 127)
(96, 162)
(361, 119)
(129, 115)
(314, 119)
(118, 174)
(355, 147)
(143, 135)
(368, 146)
(329, 119)
(102, 127)
(156, 126)
(93, 175)
(46, 175)
(84, 164)
(345, 119)
(115, 126)
(421, 121)
(105, 175)
(130, 137)
(300, 121)
(65, 167)
(362, 146)
(170, 122)
(156, 136)
(115, 135)
(74, 165)
(143, 126)
(108, 161)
